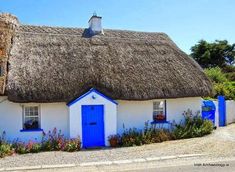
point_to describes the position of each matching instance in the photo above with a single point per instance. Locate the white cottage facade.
(92, 83)
(68, 117)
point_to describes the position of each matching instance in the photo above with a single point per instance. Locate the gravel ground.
(221, 143)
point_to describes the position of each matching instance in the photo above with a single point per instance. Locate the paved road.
(165, 166)
(226, 166)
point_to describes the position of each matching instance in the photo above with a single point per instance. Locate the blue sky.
(185, 21)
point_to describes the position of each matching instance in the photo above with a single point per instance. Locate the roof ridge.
(78, 28)
(109, 33)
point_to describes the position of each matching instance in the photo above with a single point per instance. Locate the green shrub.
(131, 137)
(226, 89)
(223, 83)
(193, 126)
(230, 76)
(5, 150)
(20, 147)
(164, 135)
(55, 141)
(33, 147)
(216, 75)
(5, 147)
(207, 127)
(150, 134)
(228, 68)
(52, 141)
(72, 145)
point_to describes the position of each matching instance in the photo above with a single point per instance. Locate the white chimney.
(95, 25)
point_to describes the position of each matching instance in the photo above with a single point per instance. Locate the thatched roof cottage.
(92, 80)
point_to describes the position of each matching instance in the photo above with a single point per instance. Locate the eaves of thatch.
(51, 64)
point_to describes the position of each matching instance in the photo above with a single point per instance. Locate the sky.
(185, 21)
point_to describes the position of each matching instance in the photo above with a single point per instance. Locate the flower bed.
(191, 126)
(52, 141)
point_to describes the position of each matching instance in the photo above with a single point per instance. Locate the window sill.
(160, 122)
(31, 130)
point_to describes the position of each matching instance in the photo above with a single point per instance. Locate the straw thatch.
(49, 64)
(8, 23)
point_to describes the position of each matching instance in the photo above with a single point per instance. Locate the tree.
(219, 53)
(216, 75)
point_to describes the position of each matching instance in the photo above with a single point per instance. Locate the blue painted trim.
(31, 130)
(160, 122)
(87, 93)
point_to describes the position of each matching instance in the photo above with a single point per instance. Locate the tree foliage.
(222, 84)
(216, 75)
(219, 53)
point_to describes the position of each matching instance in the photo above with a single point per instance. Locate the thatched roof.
(50, 64)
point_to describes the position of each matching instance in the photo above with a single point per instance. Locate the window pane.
(158, 111)
(161, 104)
(31, 120)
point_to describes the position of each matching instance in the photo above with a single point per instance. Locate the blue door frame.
(92, 125)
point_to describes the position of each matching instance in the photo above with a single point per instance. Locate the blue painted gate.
(208, 110)
(92, 125)
(222, 111)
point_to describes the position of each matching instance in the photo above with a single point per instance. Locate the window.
(31, 118)
(159, 111)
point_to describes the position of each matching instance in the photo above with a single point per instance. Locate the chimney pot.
(95, 25)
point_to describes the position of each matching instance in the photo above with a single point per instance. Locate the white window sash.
(160, 110)
(24, 116)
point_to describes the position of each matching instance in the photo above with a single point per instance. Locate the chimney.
(95, 25)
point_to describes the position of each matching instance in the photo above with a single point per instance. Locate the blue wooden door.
(92, 125)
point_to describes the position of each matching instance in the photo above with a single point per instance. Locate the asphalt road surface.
(204, 166)
(226, 166)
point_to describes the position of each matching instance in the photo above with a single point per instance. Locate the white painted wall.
(216, 114)
(68, 119)
(135, 113)
(230, 111)
(55, 115)
(110, 115)
(52, 115)
(175, 107)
